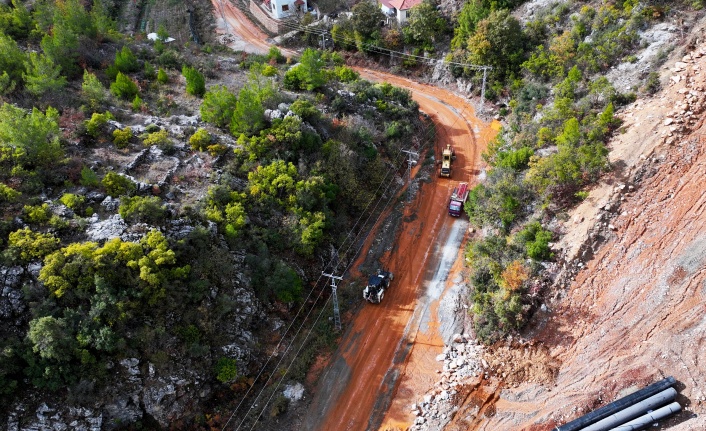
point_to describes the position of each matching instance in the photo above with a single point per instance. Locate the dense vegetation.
(290, 185)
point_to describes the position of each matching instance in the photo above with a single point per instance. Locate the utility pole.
(410, 153)
(336, 312)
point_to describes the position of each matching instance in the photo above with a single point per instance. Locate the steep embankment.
(634, 313)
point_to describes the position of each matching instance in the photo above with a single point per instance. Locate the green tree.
(275, 181)
(309, 74)
(42, 75)
(34, 134)
(74, 202)
(218, 106)
(96, 125)
(92, 91)
(248, 115)
(124, 87)
(471, 13)
(15, 20)
(12, 63)
(499, 42)
(125, 61)
(367, 18)
(263, 86)
(121, 138)
(226, 370)
(424, 24)
(195, 82)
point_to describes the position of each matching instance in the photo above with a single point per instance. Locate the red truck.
(458, 198)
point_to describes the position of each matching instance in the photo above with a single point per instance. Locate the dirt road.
(237, 31)
(387, 354)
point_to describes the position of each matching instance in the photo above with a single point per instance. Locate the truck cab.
(447, 157)
(458, 198)
(377, 284)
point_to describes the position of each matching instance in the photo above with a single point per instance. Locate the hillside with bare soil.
(632, 309)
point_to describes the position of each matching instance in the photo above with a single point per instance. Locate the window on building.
(285, 7)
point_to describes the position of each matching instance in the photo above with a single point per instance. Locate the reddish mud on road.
(378, 350)
(242, 34)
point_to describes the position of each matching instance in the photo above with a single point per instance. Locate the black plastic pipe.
(636, 410)
(618, 405)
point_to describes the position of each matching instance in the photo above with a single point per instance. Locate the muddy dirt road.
(387, 354)
(236, 30)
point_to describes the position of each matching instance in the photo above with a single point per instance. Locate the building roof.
(387, 4)
(404, 4)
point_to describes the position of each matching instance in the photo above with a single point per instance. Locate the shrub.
(346, 74)
(37, 214)
(160, 139)
(652, 84)
(536, 240)
(97, 123)
(150, 71)
(125, 61)
(200, 140)
(8, 194)
(275, 55)
(124, 87)
(142, 209)
(88, 177)
(162, 76)
(216, 149)
(218, 106)
(121, 138)
(137, 104)
(27, 245)
(72, 201)
(118, 185)
(269, 71)
(195, 83)
(92, 90)
(226, 370)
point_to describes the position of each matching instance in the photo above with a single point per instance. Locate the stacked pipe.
(631, 413)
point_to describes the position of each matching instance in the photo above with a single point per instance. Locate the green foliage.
(652, 84)
(27, 245)
(275, 55)
(276, 181)
(32, 139)
(346, 74)
(125, 61)
(366, 21)
(517, 160)
(424, 24)
(74, 202)
(92, 90)
(226, 370)
(12, 63)
(88, 177)
(200, 140)
(118, 185)
(37, 214)
(150, 71)
(142, 209)
(273, 278)
(309, 74)
(97, 123)
(535, 240)
(160, 139)
(124, 87)
(305, 109)
(42, 75)
(500, 201)
(471, 13)
(8, 194)
(121, 138)
(51, 338)
(15, 20)
(249, 114)
(269, 71)
(498, 42)
(195, 82)
(218, 106)
(137, 103)
(162, 32)
(162, 76)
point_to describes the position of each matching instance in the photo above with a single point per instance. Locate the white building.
(398, 8)
(285, 8)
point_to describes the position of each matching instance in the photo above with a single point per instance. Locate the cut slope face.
(636, 312)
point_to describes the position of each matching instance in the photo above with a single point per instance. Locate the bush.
(275, 55)
(72, 201)
(150, 71)
(195, 83)
(118, 185)
(536, 240)
(142, 209)
(137, 104)
(269, 71)
(218, 106)
(37, 214)
(92, 90)
(121, 138)
(26, 245)
(160, 139)
(88, 177)
(200, 140)
(124, 87)
(162, 76)
(125, 61)
(226, 370)
(97, 123)
(346, 74)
